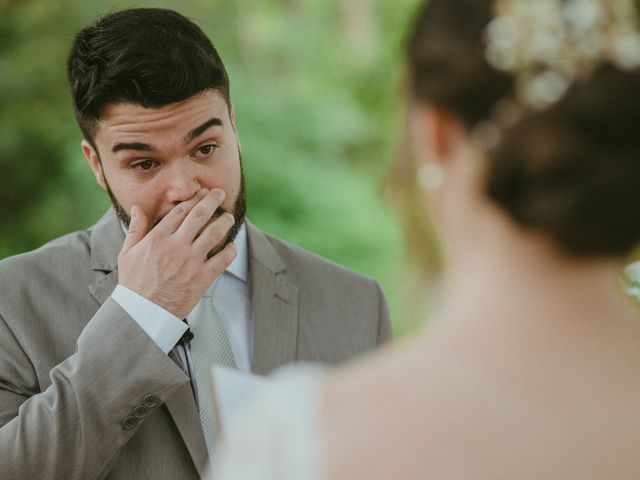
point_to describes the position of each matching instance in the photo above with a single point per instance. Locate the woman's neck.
(496, 266)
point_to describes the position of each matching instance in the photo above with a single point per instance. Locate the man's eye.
(144, 165)
(206, 149)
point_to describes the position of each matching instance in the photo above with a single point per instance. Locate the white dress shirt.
(230, 294)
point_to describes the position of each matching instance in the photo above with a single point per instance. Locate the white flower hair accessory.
(548, 45)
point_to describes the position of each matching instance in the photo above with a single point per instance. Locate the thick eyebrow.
(144, 147)
(140, 147)
(199, 130)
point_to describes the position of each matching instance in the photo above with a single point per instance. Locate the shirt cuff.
(164, 328)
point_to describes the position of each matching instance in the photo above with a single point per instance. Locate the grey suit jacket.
(86, 394)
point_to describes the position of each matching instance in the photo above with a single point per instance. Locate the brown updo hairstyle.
(572, 170)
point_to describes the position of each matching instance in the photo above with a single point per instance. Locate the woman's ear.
(94, 162)
(434, 133)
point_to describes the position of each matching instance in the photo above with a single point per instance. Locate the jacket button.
(140, 411)
(150, 400)
(129, 422)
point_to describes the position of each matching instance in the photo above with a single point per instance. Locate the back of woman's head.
(571, 169)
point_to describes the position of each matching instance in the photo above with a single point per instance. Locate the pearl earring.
(430, 177)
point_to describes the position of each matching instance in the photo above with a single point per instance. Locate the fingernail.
(219, 193)
(231, 217)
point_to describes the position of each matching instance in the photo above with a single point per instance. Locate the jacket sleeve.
(98, 398)
(385, 333)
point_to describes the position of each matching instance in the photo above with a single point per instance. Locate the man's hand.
(168, 264)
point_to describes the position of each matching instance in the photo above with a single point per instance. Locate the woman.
(524, 119)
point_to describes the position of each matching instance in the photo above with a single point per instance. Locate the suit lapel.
(274, 306)
(107, 238)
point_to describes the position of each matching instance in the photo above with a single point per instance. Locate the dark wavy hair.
(146, 56)
(572, 170)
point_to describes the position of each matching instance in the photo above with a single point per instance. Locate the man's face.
(157, 158)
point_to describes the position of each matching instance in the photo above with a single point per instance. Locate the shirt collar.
(239, 268)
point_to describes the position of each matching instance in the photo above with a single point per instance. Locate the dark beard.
(239, 211)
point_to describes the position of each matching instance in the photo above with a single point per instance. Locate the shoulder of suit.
(305, 263)
(70, 249)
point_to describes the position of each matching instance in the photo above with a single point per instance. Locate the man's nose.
(182, 185)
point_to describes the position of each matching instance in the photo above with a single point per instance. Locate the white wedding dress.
(279, 436)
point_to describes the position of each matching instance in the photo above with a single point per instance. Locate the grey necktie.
(210, 345)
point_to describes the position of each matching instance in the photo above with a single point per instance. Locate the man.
(99, 377)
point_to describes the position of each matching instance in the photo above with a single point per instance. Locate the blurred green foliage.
(315, 85)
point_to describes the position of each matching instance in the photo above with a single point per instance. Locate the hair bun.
(573, 170)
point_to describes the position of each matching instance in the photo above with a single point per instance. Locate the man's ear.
(94, 162)
(232, 116)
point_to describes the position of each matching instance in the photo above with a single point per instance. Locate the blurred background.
(316, 88)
